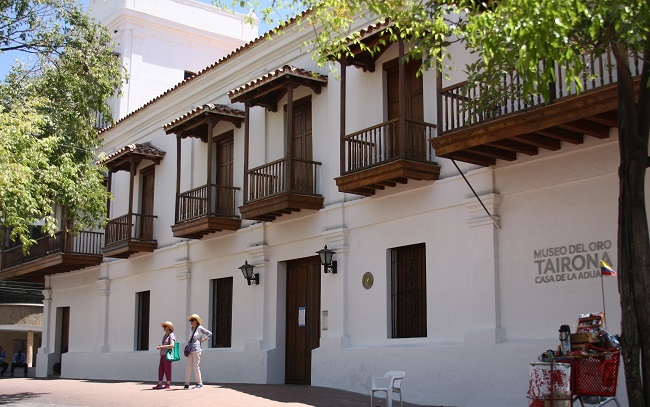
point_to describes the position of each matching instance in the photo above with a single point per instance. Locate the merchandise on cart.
(583, 368)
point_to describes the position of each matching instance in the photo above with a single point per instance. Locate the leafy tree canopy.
(518, 37)
(48, 110)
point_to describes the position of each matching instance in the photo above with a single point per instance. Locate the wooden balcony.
(60, 253)
(199, 213)
(515, 126)
(130, 234)
(383, 156)
(275, 190)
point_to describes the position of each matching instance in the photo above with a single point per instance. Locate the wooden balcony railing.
(81, 243)
(271, 179)
(194, 204)
(383, 143)
(130, 227)
(460, 105)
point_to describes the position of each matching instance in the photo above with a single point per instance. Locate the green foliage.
(507, 35)
(517, 46)
(47, 117)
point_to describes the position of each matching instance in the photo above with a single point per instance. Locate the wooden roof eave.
(191, 127)
(269, 94)
(365, 56)
(121, 160)
(124, 162)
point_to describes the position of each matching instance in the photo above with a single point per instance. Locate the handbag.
(174, 354)
(188, 347)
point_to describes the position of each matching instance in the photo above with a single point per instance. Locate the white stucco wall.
(487, 316)
(159, 40)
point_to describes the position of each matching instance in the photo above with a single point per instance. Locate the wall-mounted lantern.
(329, 265)
(247, 271)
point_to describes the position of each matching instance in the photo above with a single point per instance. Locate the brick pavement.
(31, 392)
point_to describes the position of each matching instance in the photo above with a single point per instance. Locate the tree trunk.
(633, 240)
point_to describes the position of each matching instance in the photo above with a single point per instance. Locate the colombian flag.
(606, 269)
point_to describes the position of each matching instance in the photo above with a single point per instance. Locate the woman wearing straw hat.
(198, 336)
(165, 366)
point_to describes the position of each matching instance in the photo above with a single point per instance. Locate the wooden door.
(224, 194)
(64, 334)
(415, 138)
(303, 318)
(146, 203)
(301, 148)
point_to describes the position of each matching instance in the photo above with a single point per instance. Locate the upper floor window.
(408, 291)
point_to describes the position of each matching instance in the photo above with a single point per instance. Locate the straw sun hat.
(169, 324)
(195, 316)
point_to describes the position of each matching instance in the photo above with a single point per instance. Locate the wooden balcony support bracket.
(368, 180)
(124, 249)
(538, 140)
(197, 228)
(268, 209)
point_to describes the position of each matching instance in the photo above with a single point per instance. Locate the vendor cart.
(588, 378)
(594, 377)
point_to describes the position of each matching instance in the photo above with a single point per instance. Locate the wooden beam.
(609, 119)
(589, 128)
(494, 152)
(562, 135)
(539, 141)
(516, 146)
(471, 158)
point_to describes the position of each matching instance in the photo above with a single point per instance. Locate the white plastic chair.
(390, 383)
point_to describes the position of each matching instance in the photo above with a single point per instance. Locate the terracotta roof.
(238, 51)
(370, 30)
(286, 70)
(143, 151)
(208, 108)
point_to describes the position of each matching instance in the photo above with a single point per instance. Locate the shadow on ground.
(309, 395)
(7, 398)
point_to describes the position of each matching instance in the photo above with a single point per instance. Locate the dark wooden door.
(414, 90)
(301, 148)
(225, 146)
(415, 138)
(64, 334)
(303, 318)
(146, 203)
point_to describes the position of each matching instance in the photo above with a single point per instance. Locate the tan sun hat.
(169, 324)
(195, 316)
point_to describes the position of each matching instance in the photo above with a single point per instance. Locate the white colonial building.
(163, 42)
(265, 158)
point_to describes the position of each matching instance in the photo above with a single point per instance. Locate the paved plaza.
(31, 392)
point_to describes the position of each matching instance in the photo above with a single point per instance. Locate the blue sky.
(6, 59)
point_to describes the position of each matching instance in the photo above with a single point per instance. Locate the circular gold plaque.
(367, 280)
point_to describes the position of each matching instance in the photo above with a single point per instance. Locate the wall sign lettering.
(571, 262)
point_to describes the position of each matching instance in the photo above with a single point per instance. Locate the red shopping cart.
(594, 377)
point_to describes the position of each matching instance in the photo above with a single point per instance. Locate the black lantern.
(329, 265)
(247, 271)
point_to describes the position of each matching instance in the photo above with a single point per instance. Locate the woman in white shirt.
(198, 336)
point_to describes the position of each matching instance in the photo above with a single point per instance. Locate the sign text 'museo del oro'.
(571, 262)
